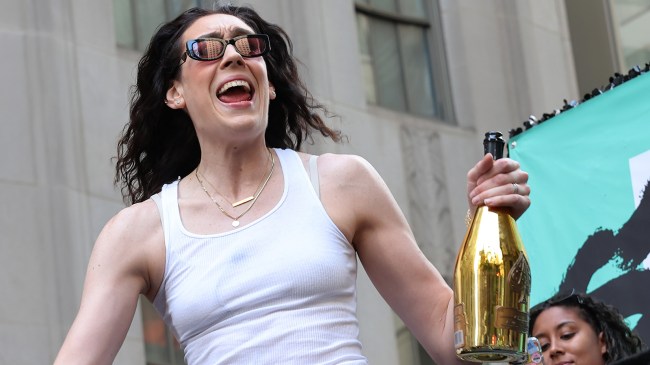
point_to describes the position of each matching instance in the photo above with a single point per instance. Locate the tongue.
(235, 95)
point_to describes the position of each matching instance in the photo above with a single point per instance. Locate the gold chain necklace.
(237, 203)
(252, 199)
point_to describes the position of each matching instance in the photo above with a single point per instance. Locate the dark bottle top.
(494, 143)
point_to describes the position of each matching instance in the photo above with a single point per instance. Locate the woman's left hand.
(499, 183)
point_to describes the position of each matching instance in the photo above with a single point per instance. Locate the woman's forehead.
(217, 25)
(553, 316)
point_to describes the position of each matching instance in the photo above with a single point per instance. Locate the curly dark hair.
(159, 144)
(620, 340)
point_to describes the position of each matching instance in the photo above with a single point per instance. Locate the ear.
(174, 97)
(272, 94)
(602, 344)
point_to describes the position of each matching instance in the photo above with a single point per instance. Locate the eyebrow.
(235, 31)
(560, 325)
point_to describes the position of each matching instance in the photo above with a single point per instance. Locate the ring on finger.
(515, 188)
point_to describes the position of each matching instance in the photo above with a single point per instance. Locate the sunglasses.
(210, 49)
(571, 297)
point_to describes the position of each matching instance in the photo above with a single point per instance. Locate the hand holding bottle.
(498, 183)
(492, 274)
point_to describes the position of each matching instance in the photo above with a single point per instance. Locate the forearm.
(439, 344)
(97, 333)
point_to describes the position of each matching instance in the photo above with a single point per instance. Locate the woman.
(579, 329)
(247, 248)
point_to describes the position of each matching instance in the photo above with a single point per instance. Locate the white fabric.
(281, 290)
(313, 174)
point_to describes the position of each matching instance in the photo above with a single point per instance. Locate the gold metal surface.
(492, 290)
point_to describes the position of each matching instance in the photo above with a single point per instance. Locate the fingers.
(480, 169)
(508, 190)
(499, 183)
(502, 175)
(501, 166)
(489, 196)
(516, 204)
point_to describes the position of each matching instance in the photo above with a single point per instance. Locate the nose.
(555, 349)
(231, 56)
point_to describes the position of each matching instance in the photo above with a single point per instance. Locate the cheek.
(198, 72)
(259, 66)
(590, 347)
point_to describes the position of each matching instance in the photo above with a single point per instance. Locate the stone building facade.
(67, 81)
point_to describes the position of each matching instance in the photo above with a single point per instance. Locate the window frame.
(431, 24)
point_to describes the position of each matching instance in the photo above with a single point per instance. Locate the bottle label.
(511, 319)
(519, 279)
(460, 325)
(534, 351)
(459, 339)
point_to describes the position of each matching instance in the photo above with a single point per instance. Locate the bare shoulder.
(132, 241)
(341, 168)
(132, 227)
(352, 192)
(346, 168)
(134, 222)
(121, 267)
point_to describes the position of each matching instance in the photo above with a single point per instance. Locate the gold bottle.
(491, 284)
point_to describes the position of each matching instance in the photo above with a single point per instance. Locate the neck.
(236, 175)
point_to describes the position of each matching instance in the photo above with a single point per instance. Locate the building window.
(137, 20)
(607, 36)
(631, 19)
(398, 41)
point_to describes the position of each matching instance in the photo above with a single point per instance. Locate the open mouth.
(235, 91)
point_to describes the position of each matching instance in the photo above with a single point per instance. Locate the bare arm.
(120, 268)
(361, 204)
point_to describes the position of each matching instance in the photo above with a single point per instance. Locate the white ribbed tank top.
(280, 290)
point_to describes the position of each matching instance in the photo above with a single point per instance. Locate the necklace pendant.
(251, 199)
(245, 200)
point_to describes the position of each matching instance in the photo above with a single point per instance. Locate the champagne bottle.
(491, 284)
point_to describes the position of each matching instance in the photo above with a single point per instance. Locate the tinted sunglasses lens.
(251, 46)
(205, 49)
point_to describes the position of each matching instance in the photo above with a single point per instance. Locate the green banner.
(588, 227)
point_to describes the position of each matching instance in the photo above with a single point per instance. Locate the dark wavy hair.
(620, 340)
(159, 144)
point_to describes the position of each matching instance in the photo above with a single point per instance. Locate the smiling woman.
(578, 329)
(244, 245)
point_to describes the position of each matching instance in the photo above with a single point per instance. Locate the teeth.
(234, 83)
